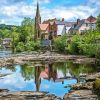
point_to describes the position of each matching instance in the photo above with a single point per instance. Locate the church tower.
(37, 22)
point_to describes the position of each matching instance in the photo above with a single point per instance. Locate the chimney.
(62, 19)
(78, 21)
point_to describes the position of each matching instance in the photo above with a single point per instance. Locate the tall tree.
(27, 30)
(14, 37)
(98, 23)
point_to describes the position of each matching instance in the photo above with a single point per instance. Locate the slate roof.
(67, 24)
(80, 24)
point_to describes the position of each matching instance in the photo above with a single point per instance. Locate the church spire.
(38, 10)
(37, 21)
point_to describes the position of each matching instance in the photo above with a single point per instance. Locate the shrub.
(20, 47)
(60, 43)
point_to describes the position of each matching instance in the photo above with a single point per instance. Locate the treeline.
(8, 27)
(22, 37)
(86, 44)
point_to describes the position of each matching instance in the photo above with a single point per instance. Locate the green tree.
(26, 30)
(98, 23)
(15, 38)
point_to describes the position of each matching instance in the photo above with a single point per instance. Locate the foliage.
(72, 47)
(20, 47)
(98, 23)
(60, 43)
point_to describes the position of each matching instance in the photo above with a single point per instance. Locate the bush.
(73, 46)
(92, 50)
(60, 43)
(20, 47)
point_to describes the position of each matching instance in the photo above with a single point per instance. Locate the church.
(46, 30)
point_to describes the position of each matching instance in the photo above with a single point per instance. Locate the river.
(44, 76)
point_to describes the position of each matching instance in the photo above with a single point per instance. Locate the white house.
(85, 24)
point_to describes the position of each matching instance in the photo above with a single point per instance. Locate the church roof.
(43, 27)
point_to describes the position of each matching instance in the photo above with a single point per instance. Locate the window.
(86, 24)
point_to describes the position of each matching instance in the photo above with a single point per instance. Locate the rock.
(27, 96)
(85, 60)
(92, 77)
(78, 86)
(96, 87)
(4, 90)
(81, 94)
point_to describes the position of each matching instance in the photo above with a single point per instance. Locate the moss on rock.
(97, 83)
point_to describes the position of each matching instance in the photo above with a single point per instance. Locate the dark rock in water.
(81, 94)
(4, 90)
(92, 77)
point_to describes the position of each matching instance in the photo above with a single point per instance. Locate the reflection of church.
(49, 73)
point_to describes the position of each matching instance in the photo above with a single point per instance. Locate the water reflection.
(42, 76)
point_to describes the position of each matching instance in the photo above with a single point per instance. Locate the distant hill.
(4, 26)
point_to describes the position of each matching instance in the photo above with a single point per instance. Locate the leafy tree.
(15, 38)
(60, 43)
(98, 23)
(26, 30)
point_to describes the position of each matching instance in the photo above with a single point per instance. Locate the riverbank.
(79, 91)
(86, 90)
(48, 56)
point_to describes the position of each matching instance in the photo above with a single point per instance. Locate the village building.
(63, 27)
(83, 25)
(52, 28)
(6, 43)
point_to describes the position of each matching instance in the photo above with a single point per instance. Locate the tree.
(26, 30)
(15, 38)
(98, 23)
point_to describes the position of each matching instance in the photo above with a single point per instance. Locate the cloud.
(14, 11)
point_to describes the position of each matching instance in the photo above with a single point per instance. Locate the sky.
(12, 12)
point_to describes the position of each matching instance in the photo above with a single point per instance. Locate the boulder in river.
(92, 77)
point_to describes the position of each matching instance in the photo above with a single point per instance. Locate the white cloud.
(14, 14)
(2, 21)
(97, 2)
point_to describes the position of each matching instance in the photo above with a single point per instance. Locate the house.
(63, 27)
(6, 42)
(44, 29)
(52, 27)
(83, 25)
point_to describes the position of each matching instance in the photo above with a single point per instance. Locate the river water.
(44, 76)
(5, 54)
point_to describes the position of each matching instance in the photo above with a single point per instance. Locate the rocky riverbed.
(80, 91)
(7, 95)
(89, 90)
(48, 56)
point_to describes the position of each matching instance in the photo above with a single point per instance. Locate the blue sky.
(13, 11)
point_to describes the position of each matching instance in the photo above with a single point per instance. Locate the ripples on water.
(41, 76)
